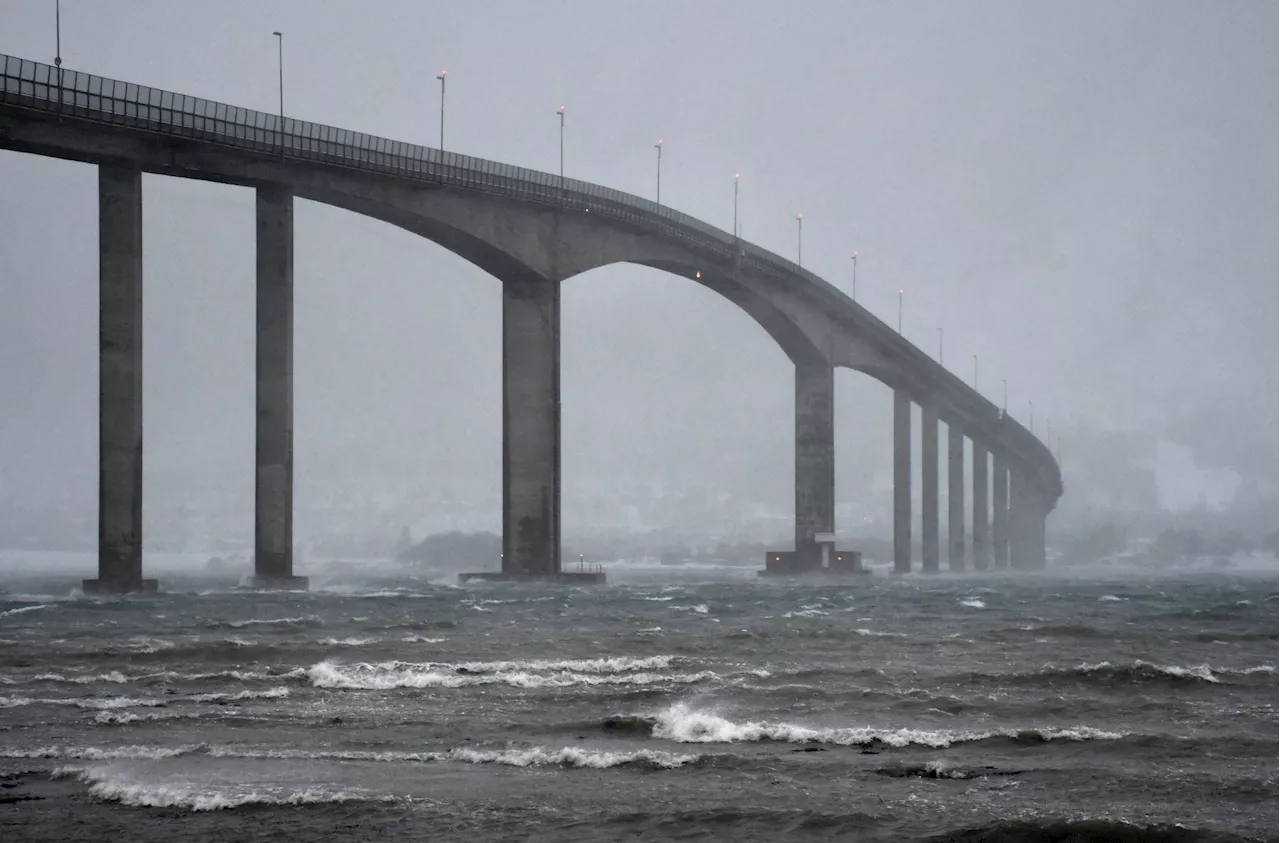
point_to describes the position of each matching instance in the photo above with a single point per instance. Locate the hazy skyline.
(1082, 195)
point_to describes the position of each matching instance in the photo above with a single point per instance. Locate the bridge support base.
(119, 384)
(530, 426)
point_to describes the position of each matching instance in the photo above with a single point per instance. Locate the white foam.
(269, 694)
(876, 634)
(298, 621)
(1203, 672)
(1111, 598)
(352, 641)
(114, 676)
(99, 753)
(683, 724)
(390, 675)
(572, 757)
(973, 603)
(107, 785)
(22, 609)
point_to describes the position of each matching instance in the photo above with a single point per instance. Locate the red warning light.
(777, 559)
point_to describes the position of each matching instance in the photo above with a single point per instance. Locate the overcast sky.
(1082, 194)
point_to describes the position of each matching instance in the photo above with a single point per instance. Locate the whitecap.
(683, 724)
(112, 787)
(23, 609)
(973, 603)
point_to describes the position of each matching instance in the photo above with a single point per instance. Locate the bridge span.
(531, 230)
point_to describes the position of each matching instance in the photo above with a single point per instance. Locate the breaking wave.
(114, 788)
(683, 724)
(389, 675)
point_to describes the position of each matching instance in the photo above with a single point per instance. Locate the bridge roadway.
(532, 231)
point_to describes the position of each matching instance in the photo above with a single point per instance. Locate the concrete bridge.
(532, 231)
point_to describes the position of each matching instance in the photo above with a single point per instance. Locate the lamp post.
(658, 146)
(799, 239)
(853, 287)
(940, 346)
(57, 36)
(975, 373)
(1004, 406)
(736, 176)
(441, 77)
(899, 311)
(561, 113)
(280, 73)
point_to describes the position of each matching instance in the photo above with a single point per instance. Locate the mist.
(1082, 196)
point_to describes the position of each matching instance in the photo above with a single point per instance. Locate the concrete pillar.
(901, 482)
(981, 546)
(119, 383)
(929, 487)
(531, 426)
(1019, 520)
(815, 460)
(273, 452)
(955, 498)
(1026, 523)
(999, 513)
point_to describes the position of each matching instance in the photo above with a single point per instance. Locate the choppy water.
(975, 708)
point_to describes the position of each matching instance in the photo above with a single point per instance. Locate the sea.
(674, 703)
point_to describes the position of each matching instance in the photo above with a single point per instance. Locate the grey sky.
(1082, 194)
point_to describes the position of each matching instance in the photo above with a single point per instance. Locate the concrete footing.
(567, 577)
(100, 586)
(289, 583)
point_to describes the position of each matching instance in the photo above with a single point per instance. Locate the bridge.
(531, 231)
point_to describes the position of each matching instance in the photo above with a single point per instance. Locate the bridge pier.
(981, 502)
(815, 461)
(901, 482)
(929, 487)
(273, 451)
(1026, 529)
(999, 513)
(119, 383)
(531, 427)
(955, 498)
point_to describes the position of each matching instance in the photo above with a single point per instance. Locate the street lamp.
(975, 373)
(1004, 407)
(658, 146)
(561, 113)
(799, 239)
(280, 70)
(940, 346)
(441, 77)
(853, 288)
(736, 176)
(57, 56)
(899, 311)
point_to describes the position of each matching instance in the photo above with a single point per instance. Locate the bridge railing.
(82, 96)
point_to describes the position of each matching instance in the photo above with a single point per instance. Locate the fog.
(1081, 195)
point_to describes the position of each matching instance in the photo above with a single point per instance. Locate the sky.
(1082, 195)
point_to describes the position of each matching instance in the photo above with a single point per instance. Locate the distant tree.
(456, 551)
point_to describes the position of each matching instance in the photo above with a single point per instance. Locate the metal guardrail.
(82, 96)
